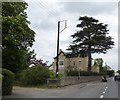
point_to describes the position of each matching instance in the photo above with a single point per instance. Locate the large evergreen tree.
(91, 38)
(17, 37)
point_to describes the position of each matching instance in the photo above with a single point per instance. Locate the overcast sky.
(44, 15)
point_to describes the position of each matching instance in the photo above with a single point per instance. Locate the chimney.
(60, 50)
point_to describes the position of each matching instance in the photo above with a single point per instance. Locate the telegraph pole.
(58, 44)
(57, 48)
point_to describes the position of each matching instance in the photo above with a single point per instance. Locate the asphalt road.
(87, 90)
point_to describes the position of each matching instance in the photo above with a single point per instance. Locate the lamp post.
(58, 44)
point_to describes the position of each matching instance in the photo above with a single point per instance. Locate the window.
(61, 62)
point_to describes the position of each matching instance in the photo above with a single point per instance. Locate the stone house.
(72, 62)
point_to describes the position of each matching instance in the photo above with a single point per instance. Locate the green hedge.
(7, 82)
(82, 73)
(36, 75)
(53, 75)
(110, 73)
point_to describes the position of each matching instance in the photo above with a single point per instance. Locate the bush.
(7, 82)
(72, 73)
(1, 83)
(53, 75)
(82, 73)
(110, 73)
(36, 75)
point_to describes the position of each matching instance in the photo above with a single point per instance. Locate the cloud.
(89, 7)
(44, 16)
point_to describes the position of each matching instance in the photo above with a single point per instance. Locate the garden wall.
(72, 80)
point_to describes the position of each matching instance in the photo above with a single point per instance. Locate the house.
(68, 61)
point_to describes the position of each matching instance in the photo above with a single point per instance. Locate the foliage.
(36, 75)
(38, 62)
(72, 73)
(103, 70)
(1, 78)
(118, 71)
(91, 38)
(98, 62)
(110, 73)
(82, 73)
(17, 37)
(7, 83)
(53, 75)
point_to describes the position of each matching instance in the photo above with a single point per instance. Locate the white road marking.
(101, 96)
(105, 89)
(104, 92)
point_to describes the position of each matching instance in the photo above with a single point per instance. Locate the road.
(95, 89)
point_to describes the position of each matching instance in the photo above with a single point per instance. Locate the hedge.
(7, 82)
(53, 75)
(36, 75)
(82, 73)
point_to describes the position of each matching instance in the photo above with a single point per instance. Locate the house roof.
(67, 54)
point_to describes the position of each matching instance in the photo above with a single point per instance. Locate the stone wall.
(72, 80)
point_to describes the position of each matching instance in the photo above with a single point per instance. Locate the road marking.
(101, 96)
(104, 92)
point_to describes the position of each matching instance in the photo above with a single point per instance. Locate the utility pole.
(58, 44)
(57, 48)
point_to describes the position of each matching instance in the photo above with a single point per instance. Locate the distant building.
(68, 61)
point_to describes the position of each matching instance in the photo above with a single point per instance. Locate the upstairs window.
(61, 62)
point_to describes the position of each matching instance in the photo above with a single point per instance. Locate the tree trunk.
(89, 59)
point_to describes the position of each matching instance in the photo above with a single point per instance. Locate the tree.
(110, 73)
(118, 71)
(37, 62)
(103, 70)
(91, 38)
(17, 37)
(98, 62)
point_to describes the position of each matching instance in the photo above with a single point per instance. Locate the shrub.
(53, 75)
(1, 83)
(7, 82)
(82, 73)
(110, 73)
(72, 73)
(60, 76)
(36, 75)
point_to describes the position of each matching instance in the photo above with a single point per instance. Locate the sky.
(45, 14)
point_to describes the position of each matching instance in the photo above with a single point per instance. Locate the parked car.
(104, 79)
(117, 77)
